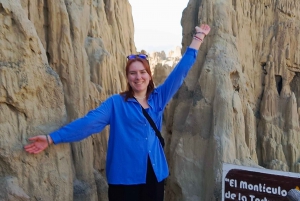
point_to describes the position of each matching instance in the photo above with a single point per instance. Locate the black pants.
(151, 191)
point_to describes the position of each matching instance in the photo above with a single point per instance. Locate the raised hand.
(198, 37)
(38, 144)
(204, 28)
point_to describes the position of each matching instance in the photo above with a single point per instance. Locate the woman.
(136, 165)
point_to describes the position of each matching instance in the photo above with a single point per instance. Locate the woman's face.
(138, 78)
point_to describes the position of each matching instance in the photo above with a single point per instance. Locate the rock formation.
(58, 60)
(239, 103)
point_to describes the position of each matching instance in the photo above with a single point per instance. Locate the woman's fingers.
(31, 150)
(38, 144)
(203, 28)
(34, 150)
(29, 146)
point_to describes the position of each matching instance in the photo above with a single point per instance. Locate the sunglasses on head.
(134, 56)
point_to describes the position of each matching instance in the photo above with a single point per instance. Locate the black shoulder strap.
(157, 132)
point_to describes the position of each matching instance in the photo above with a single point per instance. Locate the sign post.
(257, 184)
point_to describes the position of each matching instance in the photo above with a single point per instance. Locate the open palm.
(38, 144)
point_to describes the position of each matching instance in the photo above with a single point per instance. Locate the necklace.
(140, 98)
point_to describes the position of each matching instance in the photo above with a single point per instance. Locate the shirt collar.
(150, 102)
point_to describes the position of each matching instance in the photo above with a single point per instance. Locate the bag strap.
(157, 132)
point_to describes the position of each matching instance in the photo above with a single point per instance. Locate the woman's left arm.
(178, 74)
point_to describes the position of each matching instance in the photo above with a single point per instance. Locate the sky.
(157, 24)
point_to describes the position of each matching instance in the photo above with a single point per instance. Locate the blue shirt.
(131, 137)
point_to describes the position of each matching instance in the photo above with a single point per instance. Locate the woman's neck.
(140, 96)
(142, 100)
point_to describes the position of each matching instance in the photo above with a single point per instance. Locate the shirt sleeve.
(178, 74)
(93, 122)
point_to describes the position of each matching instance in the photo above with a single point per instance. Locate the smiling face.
(138, 78)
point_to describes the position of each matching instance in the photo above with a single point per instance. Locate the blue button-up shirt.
(131, 137)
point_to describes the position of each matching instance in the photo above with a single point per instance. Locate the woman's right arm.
(93, 122)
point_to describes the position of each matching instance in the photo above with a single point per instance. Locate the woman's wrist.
(199, 36)
(49, 140)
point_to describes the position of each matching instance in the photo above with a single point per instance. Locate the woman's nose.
(138, 76)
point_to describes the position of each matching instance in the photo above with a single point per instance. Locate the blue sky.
(157, 24)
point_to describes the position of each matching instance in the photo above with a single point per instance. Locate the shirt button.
(149, 151)
(145, 125)
(153, 164)
(146, 138)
